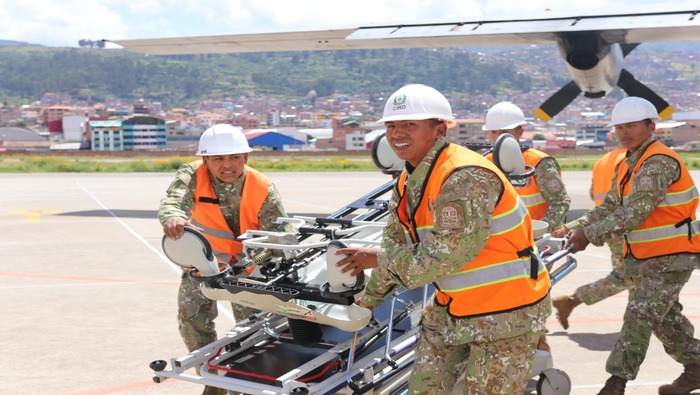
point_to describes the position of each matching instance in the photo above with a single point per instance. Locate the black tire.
(158, 365)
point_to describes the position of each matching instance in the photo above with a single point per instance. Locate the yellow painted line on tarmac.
(33, 215)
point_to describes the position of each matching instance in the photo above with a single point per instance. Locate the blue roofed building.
(270, 140)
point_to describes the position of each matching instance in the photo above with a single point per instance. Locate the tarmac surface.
(89, 298)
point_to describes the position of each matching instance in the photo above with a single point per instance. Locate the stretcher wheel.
(545, 386)
(158, 365)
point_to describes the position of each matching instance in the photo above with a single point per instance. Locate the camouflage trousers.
(653, 308)
(492, 360)
(196, 314)
(615, 282)
(498, 367)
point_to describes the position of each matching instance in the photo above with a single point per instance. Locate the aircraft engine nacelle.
(594, 66)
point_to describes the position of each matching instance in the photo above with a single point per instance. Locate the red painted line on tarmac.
(120, 388)
(91, 279)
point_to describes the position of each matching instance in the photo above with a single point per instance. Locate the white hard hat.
(223, 139)
(504, 116)
(416, 102)
(632, 109)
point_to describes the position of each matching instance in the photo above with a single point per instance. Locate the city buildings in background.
(341, 123)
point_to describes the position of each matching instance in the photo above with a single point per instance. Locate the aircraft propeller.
(593, 67)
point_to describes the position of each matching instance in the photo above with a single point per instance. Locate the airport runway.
(89, 299)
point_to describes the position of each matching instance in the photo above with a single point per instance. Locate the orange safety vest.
(604, 170)
(530, 193)
(206, 212)
(506, 275)
(671, 228)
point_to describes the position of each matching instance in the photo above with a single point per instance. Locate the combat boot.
(614, 386)
(564, 305)
(688, 380)
(208, 390)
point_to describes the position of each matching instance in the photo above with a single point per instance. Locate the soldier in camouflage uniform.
(224, 152)
(615, 282)
(544, 193)
(653, 207)
(492, 345)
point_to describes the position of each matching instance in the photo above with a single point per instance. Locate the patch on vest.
(645, 183)
(449, 216)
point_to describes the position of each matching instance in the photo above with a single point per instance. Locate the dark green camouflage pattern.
(654, 308)
(196, 313)
(491, 363)
(655, 283)
(179, 200)
(548, 178)
(615, 282)
(609, 220)
(444, 351)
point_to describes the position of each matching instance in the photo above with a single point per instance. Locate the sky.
(63, 23)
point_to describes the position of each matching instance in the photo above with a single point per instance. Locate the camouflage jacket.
(553, 191)
(445, 251)
(179, 200)
(609, 220)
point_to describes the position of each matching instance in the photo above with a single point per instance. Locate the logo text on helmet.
(399, 102)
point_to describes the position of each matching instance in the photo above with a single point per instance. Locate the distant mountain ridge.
(94, 75)
(12, 43)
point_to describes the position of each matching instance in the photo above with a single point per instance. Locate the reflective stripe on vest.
(682, 229)
(664, 233)
(506, 271)
(671, 228)
(206, 212)
(530, 193)
(212, 234)
(501, 223)
(502, 276)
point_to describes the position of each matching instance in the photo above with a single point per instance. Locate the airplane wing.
(679, 25)
(593, 45)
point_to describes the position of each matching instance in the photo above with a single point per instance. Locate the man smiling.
(223, 197)
(456, 221)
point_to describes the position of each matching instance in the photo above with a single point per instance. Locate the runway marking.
(223, 309)
(33, 215)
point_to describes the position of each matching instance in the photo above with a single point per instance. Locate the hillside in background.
(95, 75)
(11, 43)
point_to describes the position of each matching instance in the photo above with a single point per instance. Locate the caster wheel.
(545, 386)
(158, 365)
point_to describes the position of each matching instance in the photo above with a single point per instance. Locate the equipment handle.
(557, 255)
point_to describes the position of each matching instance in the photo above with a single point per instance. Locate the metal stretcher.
(309, 336)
